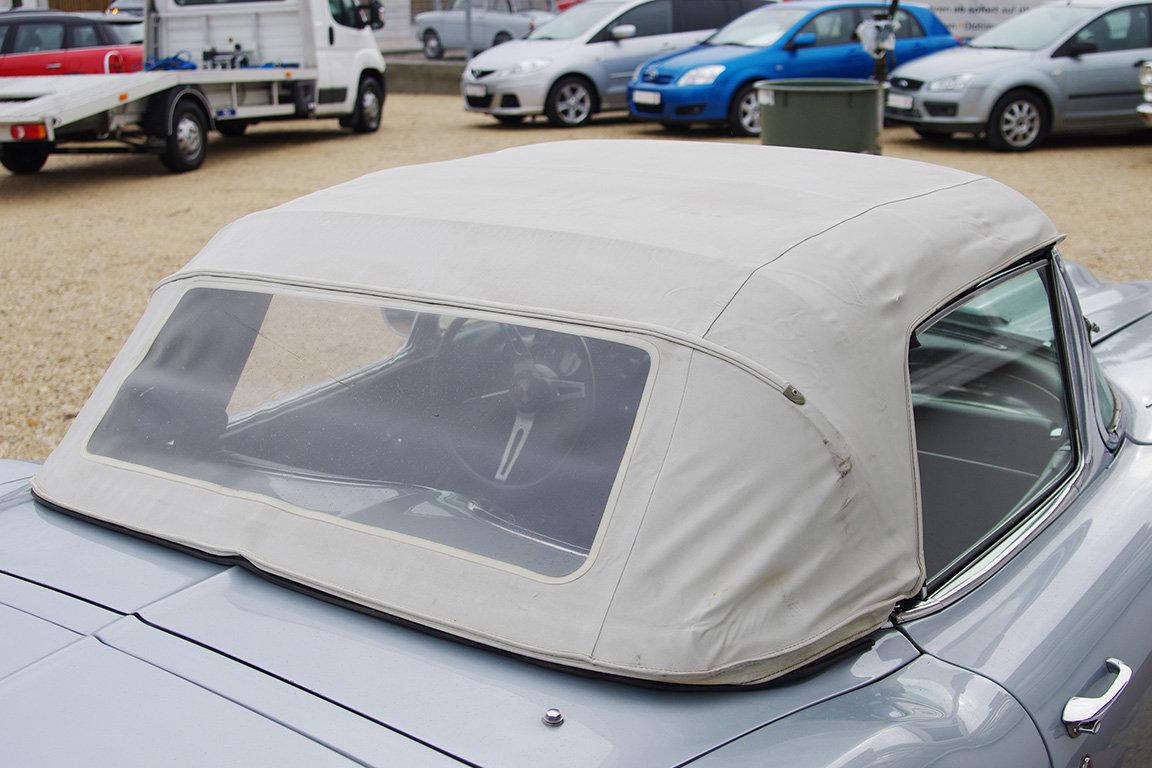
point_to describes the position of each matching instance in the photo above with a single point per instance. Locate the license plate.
(651, 98)
(899, 101)
(477, 91)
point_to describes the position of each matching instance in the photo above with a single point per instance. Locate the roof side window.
(835, 27)
(993, 432)
(653, 18)
(36, 37)
(1120, 30)
(84, 36)
(694, 15)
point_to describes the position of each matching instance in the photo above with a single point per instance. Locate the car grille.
(904, 84)
(893, 111)
(480, 102)
(648, 109)
(480, 74)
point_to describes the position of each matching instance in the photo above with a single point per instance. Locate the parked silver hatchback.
(1060, 68)
(580, 63)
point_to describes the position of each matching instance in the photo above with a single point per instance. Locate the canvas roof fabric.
(767, 511)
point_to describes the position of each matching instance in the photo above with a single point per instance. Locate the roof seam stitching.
(825, 231)
(647, 505)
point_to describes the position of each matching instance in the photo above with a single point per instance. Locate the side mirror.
(623, 31)
(1077, 48)
(802, 40)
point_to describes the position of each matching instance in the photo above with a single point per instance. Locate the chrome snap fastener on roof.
(553, 717)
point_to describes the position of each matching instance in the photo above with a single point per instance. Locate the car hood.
(956, 61)
(516, 51)
(679, 62)
(127, 636)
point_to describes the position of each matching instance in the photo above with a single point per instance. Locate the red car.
(57, 43)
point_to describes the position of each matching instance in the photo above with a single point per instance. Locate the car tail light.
(29, 132)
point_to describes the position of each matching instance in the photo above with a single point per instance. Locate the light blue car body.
(116, 650)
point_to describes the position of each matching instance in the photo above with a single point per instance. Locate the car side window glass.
(84, 36)
(31, 38)
(991, 416)
(344, 13)
(693, 15)
(909, 26)
(833, 27)
(653, 18)
(1119, 30)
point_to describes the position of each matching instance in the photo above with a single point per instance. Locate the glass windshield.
(760, 28)
(498, 439)
(574, 22)
(1034, 29)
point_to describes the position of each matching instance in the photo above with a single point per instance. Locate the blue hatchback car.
(713, 82)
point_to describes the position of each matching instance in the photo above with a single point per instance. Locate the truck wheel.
(365, 117)
(187, 143)
(1018, 122)
(571, 102)
(232, 128)
(23, 158)
(432, 47)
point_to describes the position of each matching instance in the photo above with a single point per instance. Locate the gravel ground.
(89, 236)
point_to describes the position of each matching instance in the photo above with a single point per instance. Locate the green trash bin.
(820, 114)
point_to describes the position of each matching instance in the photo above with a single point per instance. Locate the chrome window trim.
(1051, 502)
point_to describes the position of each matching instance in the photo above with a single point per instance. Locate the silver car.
(493, 22)
(1060, 68)
(580, 63)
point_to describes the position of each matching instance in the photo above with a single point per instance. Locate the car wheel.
(1018, 122)
(23, 158)
(744, 112)
(501, 38)
(432, 47)
(571, 102)
(232, 128)
(510, 119)
(365, 117)
(186, 145)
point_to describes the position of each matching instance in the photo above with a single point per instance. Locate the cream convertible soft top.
(767, 510)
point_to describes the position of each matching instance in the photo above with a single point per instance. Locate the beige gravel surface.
(87, 238)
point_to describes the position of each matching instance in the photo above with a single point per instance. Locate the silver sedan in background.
(580, 63)
(1060, 68)
(493, 22)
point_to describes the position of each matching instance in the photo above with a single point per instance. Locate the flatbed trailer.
(257, 60)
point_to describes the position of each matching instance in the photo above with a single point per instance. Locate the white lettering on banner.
(970, 19)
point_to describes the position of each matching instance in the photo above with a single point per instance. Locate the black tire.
(433, 48)
(24, 159)
(186, 145)
(510, 119)
(744, 112)
(369, 109)
(232, 128)
(571, 102)
(501, 38)
(1019, 121)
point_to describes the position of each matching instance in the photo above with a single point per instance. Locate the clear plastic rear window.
(496, 438)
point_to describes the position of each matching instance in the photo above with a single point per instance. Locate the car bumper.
(1145, 111)
(505, 96)
(966, 111)
(677, 104)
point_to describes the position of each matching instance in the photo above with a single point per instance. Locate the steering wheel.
(517, 399)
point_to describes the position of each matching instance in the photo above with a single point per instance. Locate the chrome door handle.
(1083, 715)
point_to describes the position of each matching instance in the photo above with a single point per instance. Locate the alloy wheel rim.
(573, 103)
(431, 46)
(1020, 123)
(750, 113)
(189, 137)
(370, 107)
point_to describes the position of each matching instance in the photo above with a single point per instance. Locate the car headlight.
(526, 67)
(701, 75)
(953, 83)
